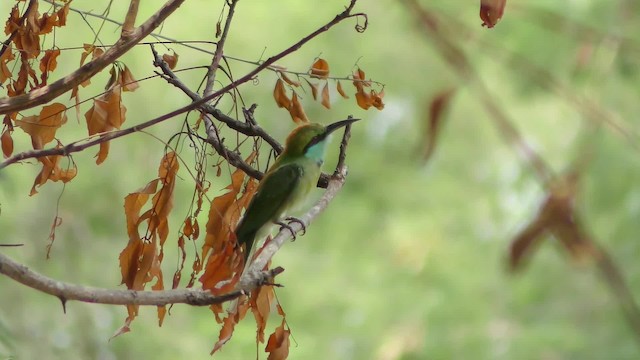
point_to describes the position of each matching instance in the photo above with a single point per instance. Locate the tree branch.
(130, 19)
(65, 291)
(81, 145)
(47, 93)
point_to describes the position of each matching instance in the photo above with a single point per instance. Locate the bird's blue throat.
(316, 152)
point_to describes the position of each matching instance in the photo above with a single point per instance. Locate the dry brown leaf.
(6, 57)
(320, 69)
(47, 22)
(326, 101)
(106, 114)
(140, 261)
(377, 99)
(229, 323)
(297, 112)
(48, 62)
(171, 60)
(278, 344)
(42, 128)
(437, 107)
(314, 89)
(341, 91)
(260, 304)
(51, 171)
(288, 80)
(6, 142)
(363, 99)
(62, 14)
(491, 11)
(280, 95)
(127, 81)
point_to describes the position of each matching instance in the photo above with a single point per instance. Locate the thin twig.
(215, 62)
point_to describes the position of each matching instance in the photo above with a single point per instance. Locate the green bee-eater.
(287, 182)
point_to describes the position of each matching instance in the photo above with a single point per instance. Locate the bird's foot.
(287, 225)
(292, 219)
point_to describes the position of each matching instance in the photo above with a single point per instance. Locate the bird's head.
(309, 140)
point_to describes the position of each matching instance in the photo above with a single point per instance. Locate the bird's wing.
(269, 202)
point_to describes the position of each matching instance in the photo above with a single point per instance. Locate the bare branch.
(130, 20)
(47, 93)
(65, 291)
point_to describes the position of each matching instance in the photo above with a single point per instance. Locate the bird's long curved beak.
(336, 125)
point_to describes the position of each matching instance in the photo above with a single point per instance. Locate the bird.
(286, 183)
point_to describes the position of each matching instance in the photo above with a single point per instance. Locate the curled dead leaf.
(341, 90)
(171, 59)
(326, 101)
(280, 95)
(297, 112)
(320, 69)
(127, 81)
(278, 344)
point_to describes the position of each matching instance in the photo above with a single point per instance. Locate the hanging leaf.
(278, 344)
(106, 114)
(48, 63)
(280, 95)
(437, 107)
(341, 91)
(288, 80)
(6, 57)
(127, 81)
(171, 59)
(297, 112)
(6, 142)
(260, 302)
(42, 128)
(320, 69)
(326, 101)
(141, 259)
(229, 323)
(62, 14)
(51, 171)
(491, 11)
(314, 89)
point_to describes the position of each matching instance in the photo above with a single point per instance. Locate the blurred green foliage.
(409, 261)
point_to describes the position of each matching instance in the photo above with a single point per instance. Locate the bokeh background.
(409, 262)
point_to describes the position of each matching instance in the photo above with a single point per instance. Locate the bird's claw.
(287, 226)
(292, 219)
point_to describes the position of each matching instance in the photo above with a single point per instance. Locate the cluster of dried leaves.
(21, 54)
(366, 97)
(219, 262)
